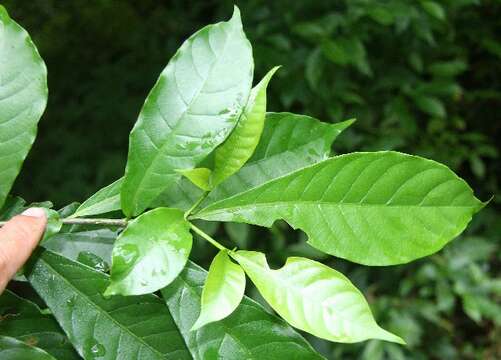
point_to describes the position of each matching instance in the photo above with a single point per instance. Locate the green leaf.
(105, 200)
(23, 96)
(12, 349)
(198, 176)
(434, 9)
(223, 290)
(54, 224)
(192, 108)
(141, 327)
(99, 242)
(182, 195)
(249, 332)
(315, 298)
(430, 105)
(242, 142)
(106, 328)
(289, 142)
(378, 208)
(150, 252)
(21, 319)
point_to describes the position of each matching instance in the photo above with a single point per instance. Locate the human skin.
(18, 238)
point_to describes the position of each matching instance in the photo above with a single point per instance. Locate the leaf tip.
(236, 18)
(388, 336)
(199, 323)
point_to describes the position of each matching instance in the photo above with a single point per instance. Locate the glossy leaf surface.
(71, 244)
(223, 290)
(249, 332)
(289, 142)
(192, 108)
(150, 252)
(105, 200)
(242, 142)
(23, 96)
(378, 208)
(23, 320)
(13, 349)
(315, 298)
(99, 327)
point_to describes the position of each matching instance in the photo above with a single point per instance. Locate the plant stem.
(85, 221)
(190, 210)
(207, 237)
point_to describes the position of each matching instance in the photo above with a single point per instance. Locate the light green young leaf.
(379, 208)
(192, 108)
(223, 290)
(105, 200)
(198, 176)
(13, 349)
(23, 96)
(250, 332)
(242, 142)
(150, 252)
(289, 142)
(314, 298)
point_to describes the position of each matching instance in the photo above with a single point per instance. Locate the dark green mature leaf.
(289, 142)
(315, 298)
(12, 349)
(242, 142)
(105, 200)
(379, 208)
(182, 195)
(223, 290)
(193, 107)
(99, 242)
(150, 253)
(248, 333)
(105, 328)
(23, 96)
(23, 320)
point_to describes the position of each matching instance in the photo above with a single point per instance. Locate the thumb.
(18, 239)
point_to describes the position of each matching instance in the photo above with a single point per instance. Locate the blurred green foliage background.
(422, 77)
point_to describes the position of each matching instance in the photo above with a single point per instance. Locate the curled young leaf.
(23, 96)
(198, 176)
(315, 298)
(379, 208)
(150, 252)
(242, 142)
(223, 290)
(192, 108)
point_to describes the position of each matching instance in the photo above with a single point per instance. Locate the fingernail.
(34, 212)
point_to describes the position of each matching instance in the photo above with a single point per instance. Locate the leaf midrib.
(178, 123)
(217, 210)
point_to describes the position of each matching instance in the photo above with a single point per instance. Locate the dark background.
(421, 77)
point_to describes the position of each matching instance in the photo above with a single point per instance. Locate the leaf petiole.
(207, 237)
